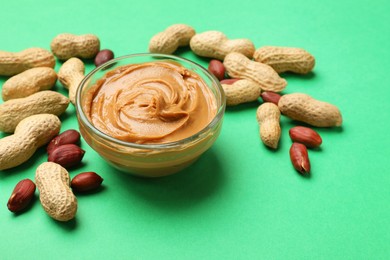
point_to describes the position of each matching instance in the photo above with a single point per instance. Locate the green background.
(240, 200)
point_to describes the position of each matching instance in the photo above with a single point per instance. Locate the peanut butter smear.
(149, 103)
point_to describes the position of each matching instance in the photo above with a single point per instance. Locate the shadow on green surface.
(290, 75)
(182, 190)
(187, 53)
(181, 51)
(91, 192)
(245, 106)
(331, 129)
(4, 78)
(66, 225)
(68, 116)
(89, 62)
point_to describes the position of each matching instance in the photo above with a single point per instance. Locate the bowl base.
(152, 172)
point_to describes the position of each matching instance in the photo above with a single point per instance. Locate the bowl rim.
(216, 119)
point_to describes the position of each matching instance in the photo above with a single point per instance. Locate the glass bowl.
(150, 160)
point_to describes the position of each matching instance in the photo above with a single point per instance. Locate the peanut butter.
(150, 103)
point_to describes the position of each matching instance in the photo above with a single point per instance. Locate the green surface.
(240, 200)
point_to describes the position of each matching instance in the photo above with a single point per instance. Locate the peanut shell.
(57, 199)
(43, 102)
(29, 82)
(30, 134)
(239, 66)
(283, 59)
(304, 108)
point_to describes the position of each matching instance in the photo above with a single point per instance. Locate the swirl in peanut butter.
(154, 102)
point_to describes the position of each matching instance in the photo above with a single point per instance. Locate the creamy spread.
(152, 102)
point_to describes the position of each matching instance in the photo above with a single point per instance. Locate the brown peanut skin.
(30, 134)
(300, 158)
(215, 44)
(304, 108)
(306, 136)
(21, 195)
(57, 199)
(173, 37)
(15, 110)
(272, 97)
(29, 82)
(228, 81)
(70, 136)
(67, 155)
(268, 117)
(65, 46)
(239, 66)
(12, 63)
(217, 69)
(103, 56)
(70, 75)
(86, 181)
(283, 59)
